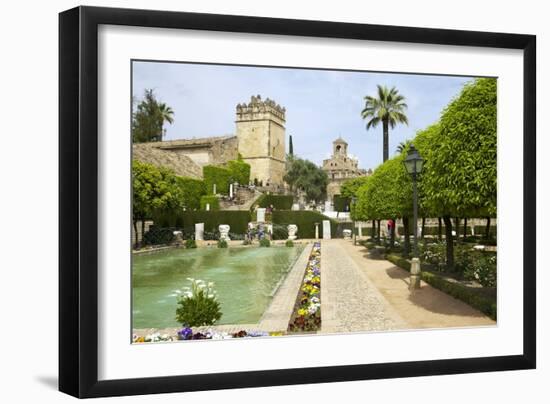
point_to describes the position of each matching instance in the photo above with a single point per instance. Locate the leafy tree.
(459, 178)
(305, 176)
(167, 115)
(387, 193)
(349, 188)
(149, 117)
(388, 108)
(154, 189)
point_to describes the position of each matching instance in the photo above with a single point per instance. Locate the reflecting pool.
(245, 279)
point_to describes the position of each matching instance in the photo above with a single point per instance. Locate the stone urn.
(292, 230)
(178, 237)
(224, 232)
(347, 234)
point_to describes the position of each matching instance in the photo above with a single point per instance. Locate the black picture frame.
(78, 200)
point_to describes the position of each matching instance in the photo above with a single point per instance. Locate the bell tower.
(339, 148)
(260, 128)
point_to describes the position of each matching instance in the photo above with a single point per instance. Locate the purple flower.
(185, 333)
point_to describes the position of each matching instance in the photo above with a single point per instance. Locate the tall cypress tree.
(290, 146)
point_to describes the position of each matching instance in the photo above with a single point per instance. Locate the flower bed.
(307, 311)
(187, 334)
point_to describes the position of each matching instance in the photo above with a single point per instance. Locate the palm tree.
(402, 146)
(167, 115)
(387, 108)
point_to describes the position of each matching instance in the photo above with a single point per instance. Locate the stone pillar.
(326, 230)
(360, 228)
(207, 206)
(316, 231)
(260, 215)
(231, 191)
(214, 189)
(415, 274)
(199, 231)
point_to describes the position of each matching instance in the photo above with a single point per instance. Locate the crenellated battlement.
(260, 109)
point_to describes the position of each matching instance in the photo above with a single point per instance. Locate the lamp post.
(353, 202)
(413, 164)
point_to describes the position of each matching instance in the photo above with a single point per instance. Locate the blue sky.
(321, 105)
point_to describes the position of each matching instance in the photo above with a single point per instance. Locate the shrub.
(483, 269)
(469, 296)
(198, 306)
(240, 171)
(289, 243)
(280, 202)
(190, 243)
(222, 244)
(264, 242)
(472, 296)
(211, 200)
(280, 232)
(305, 220)
(191, 191)
(219, 176)
(434, 254)
(158, 235)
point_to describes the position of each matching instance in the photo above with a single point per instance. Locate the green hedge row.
(212, 200)
(219, 176)
(305, 220)
(240, 171)
(236, 219)
(481, 302)
(434, 231)
(280, 202)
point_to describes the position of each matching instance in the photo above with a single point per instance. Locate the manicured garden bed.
(307, 310)
(482, 299)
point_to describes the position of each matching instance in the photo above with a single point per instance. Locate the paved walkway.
(427, 307)
(349, 300)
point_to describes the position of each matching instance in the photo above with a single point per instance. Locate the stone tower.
(339, 148)
(260, 127)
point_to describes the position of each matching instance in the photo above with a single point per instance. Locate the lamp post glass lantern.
(414, 164)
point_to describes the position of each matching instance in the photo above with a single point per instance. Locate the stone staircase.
(243, 200)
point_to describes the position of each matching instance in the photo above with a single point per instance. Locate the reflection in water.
(244, 279)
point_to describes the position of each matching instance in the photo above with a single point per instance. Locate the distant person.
(391, 227)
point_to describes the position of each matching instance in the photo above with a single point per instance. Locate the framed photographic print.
(249, 201)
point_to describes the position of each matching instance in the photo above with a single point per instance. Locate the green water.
(244, 279)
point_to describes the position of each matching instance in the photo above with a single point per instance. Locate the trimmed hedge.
(281, 202)
(305, 220)
(219, 176)
(240, 171)
(212, 200)
(192, 190)
(186, 220)
(485, 304)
